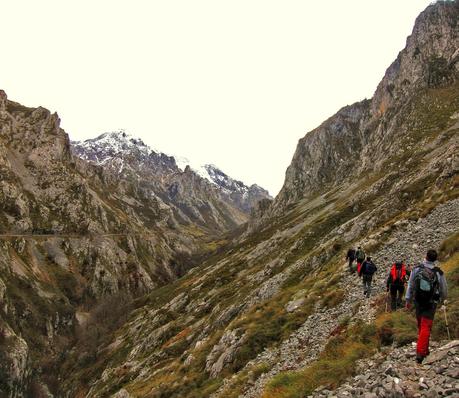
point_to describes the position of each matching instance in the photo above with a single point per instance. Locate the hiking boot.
(419, 358)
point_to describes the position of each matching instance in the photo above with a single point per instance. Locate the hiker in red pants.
(427, 287)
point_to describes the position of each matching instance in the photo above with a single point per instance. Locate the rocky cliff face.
(73, 232)
(120, 220)
(361, 137)
(244, 197)
(279, 298)
(65, 244)
(206, 197)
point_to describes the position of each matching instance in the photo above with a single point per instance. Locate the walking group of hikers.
(426, 288)
(365, 268)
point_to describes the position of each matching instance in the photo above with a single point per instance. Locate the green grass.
(396, 327)
(335, 364)
(355, 341)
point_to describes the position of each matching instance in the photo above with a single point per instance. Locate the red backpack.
(398, 275)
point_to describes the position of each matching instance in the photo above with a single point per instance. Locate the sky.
(235, 83)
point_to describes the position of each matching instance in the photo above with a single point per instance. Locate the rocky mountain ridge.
(360, 137)
(64, 244)
(73, 234)
(204, 195)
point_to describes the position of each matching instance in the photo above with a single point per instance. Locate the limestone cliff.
(382, 173)
(362, 137)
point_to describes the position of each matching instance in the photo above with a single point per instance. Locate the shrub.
(449, 246)
(104, 319)
(333, 298)
(396, 327)
(451, 268)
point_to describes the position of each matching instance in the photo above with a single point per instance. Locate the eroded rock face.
(72, 235)
(430, 58)
(223, 353)
(15, 362)
(360, 137)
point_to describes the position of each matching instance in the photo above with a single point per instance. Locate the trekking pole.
(387, 299)
(446, 321)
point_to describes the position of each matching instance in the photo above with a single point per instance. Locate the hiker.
(367, 270)
(396, 284)
(351, 257)
(360, 256)
(426, 288)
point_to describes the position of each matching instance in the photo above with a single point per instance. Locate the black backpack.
(369, 268)
(426, 285)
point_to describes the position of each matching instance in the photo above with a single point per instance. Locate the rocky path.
(395, 374)
(409, 240)
(72, 236)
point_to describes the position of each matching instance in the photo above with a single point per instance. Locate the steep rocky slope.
(64, 243)
(391, 373)
(75, 235)
(395, 124)
(409, 239)
(234, 325)
(206, 197)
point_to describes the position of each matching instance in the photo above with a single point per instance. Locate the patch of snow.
(199, 169)
(112, 144)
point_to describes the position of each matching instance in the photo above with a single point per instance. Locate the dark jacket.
(367, 268)
(350, 254)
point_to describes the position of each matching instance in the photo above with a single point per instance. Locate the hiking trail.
(411, 239)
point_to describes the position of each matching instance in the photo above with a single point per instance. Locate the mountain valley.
(126, 273)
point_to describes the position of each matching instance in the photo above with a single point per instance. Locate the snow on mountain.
(109, 145)
(199, 169)
(213, 174)
(113, 144)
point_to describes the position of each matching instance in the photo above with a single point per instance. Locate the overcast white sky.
(235, 83)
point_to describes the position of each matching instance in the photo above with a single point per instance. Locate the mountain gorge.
(76, 232)
(138, 294)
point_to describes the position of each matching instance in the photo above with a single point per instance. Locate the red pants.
(424, 328)
(359, 265)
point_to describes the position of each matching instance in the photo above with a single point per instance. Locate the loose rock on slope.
(305, 344)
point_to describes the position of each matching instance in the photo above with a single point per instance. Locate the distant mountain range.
(120, 149)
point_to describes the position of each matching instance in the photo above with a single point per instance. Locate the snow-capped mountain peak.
(117, 146)
(111, 144)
